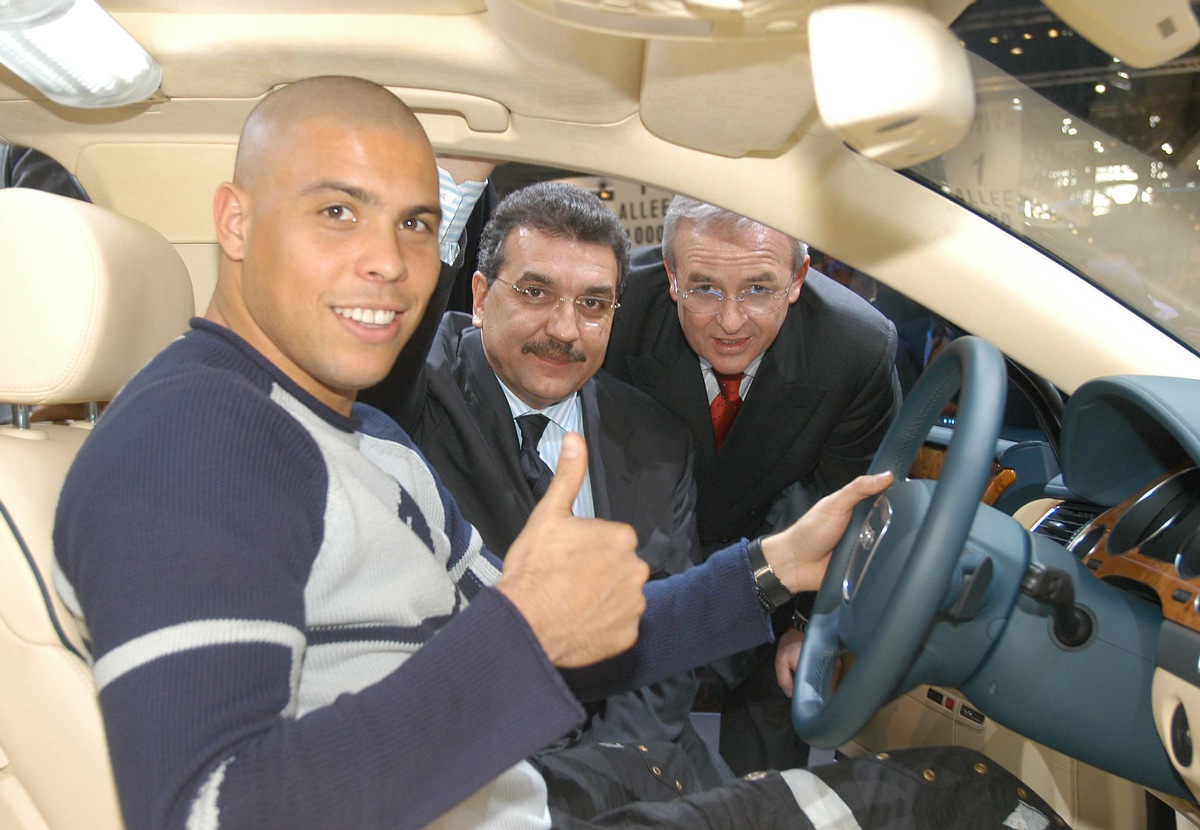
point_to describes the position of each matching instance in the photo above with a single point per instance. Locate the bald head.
(283, 115)
(328, 234)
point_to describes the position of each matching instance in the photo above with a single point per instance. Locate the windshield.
(1092, 160)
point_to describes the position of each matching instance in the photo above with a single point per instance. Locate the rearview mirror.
(892, 81)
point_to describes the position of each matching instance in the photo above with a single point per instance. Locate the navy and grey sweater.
(292, 625)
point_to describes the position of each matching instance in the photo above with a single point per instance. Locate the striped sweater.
(292, 625)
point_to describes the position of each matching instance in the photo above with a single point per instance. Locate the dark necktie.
(535, 470)
(725, 405)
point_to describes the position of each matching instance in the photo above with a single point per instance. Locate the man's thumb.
(568, 478)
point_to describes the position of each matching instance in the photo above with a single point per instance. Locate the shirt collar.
(750, 371)
(566, 413)
(710, 379)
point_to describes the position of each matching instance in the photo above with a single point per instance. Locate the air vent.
(1063, 522)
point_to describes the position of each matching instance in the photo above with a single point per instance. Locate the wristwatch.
(799, 620)
(771, 592)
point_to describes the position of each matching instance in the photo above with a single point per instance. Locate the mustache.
(553, 348)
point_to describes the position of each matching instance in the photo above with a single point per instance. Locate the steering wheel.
(889, 574)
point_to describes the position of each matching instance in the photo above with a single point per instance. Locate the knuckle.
(629, 536)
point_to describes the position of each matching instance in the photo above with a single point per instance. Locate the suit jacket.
(822, 398)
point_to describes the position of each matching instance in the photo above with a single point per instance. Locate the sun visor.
(756, 94)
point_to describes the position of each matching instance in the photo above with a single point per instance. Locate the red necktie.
(725, 406)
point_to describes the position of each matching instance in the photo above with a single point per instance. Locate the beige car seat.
(87, 297)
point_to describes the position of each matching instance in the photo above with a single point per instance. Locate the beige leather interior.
(88, 298)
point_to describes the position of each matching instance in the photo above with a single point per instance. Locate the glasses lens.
(593, 310)
(535, 296)
(703, 301)
(760, 302)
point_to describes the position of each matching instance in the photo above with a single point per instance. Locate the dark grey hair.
(704, 215)
(557, 209)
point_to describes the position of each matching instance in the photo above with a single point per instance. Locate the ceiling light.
(75, 53)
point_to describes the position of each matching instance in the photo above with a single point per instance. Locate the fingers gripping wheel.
(890, 571)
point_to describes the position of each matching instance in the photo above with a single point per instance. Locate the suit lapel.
(671, 374)
(489, 408)
(609, 484)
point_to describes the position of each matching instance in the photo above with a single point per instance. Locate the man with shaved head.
(292, 624)
(279, 280)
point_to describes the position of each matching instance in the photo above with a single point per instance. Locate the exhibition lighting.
(75, 53)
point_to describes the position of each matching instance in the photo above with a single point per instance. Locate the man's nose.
(382, 255)
(564, 321)
(731, 316)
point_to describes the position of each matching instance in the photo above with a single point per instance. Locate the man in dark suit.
(787, 382)
(551, 264)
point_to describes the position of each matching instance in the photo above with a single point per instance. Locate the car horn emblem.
(874, 526)
(866, 537)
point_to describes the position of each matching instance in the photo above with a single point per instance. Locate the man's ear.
(670, 281)
(798, 281)
(479, 292)
(230, 204)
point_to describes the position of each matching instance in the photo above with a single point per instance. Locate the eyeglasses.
(591, 311)
(756, 300)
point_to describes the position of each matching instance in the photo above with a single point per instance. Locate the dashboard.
(1130, 450)
(1124, 530)
(1130, 514)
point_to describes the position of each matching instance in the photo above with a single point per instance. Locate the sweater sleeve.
(692, 618)
(187, 536)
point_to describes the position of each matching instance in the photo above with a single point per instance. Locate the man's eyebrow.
(598, 291)
(434, 211)
(697, 276)
(550, 282)
(765, 276)
(353, 191)
(367, 197)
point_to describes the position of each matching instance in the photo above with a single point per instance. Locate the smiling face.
(731, 260)
(330, 251)
(545, 355)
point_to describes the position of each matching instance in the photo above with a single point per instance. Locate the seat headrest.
(87, 297)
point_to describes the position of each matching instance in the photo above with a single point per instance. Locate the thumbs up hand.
(578, 582)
